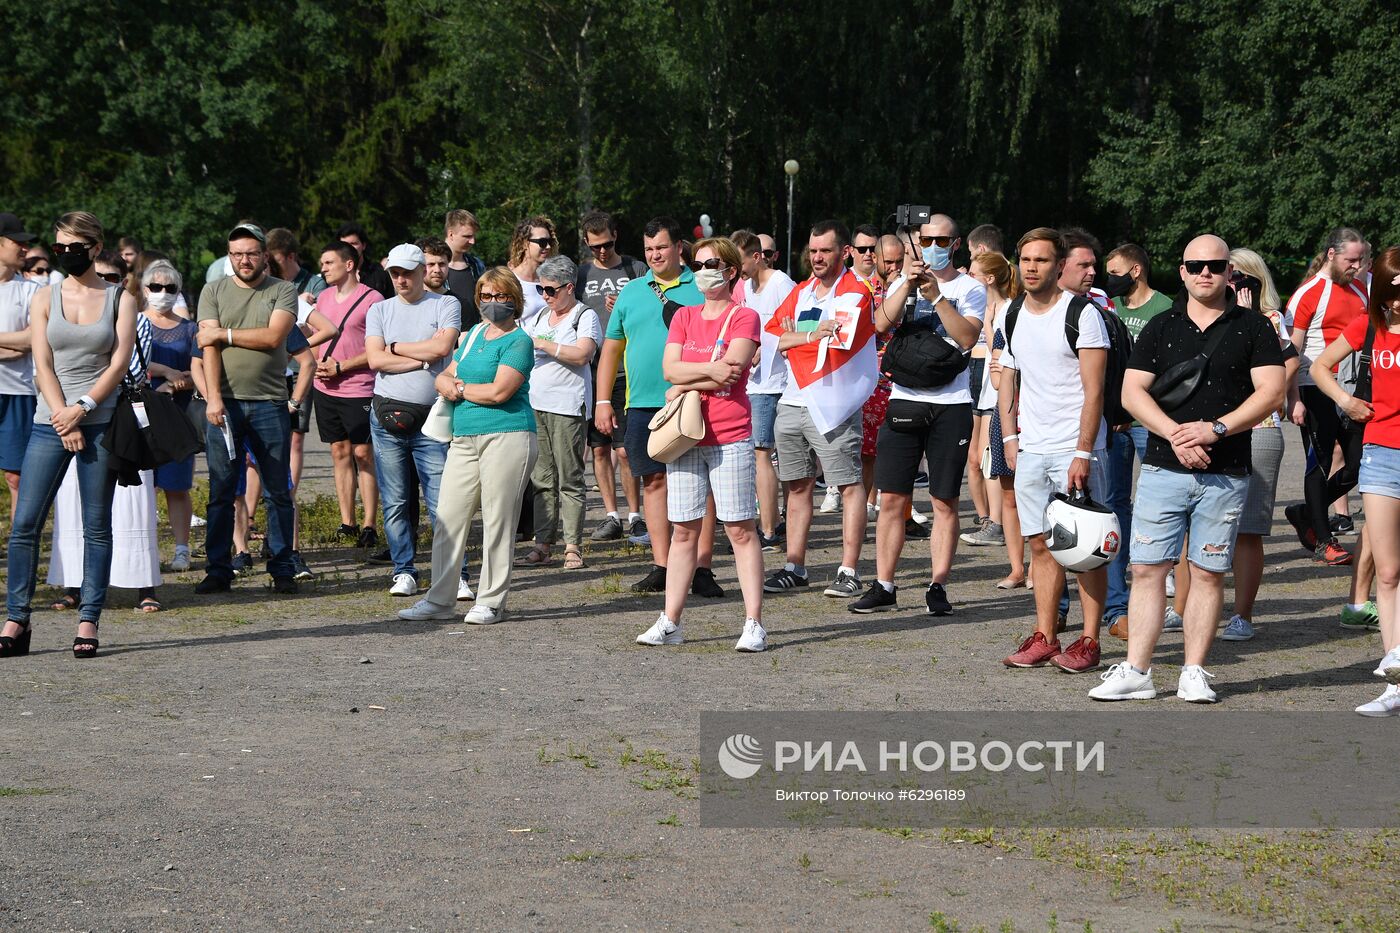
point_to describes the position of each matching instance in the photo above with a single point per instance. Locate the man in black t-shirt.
(1196, 470)
(371, 272)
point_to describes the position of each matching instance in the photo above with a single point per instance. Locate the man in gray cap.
(16, 364)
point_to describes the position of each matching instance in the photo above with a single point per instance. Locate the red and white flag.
(836, 374)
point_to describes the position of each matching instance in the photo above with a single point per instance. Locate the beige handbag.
(438, 424)
(681, 424)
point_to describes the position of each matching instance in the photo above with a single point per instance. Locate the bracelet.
(229, 336)
(1010, 437)
(809, 336)
(86, 403)
(337, 366)
(1083, 455)
(393, 344)
(603, 401)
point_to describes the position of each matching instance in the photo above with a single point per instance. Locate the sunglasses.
(864, 249)
(601, 247)
(543, 242)
(708, 264)
(942, 242)
(1197, 266)
(549, 291)
(113, 277)
(158, 288)
(41, 270)
(768, 253)
(62, 248)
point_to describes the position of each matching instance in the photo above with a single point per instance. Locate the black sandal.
(15, 645)
(85, 647)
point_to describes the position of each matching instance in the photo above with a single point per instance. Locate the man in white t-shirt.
(17, 399)
(1052, 407)
(933, 421)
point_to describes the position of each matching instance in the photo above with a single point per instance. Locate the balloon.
(709, 231)
(705, 221)
(699, 231)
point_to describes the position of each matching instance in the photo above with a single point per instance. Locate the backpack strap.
(1013, 310)
(1363, 368)
(1072, 313)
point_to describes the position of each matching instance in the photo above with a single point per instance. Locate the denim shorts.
(765, 413)
(1171, 503)
(1040, 476)
(1380, 471)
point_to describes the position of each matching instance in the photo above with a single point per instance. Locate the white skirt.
(135, 549)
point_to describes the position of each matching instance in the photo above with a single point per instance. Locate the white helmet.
(1080, 533)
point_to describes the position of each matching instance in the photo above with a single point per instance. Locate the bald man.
(1195, 473)
(891, 259)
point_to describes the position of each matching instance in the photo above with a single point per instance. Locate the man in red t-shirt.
(1317, 313)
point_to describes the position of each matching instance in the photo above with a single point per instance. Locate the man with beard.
(244, 320)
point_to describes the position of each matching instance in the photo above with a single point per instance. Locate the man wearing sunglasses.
(1196, 471)
(17, 398)
(865, 244)
(768, 250)
(601, 278)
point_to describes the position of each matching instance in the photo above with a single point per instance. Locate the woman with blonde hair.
(532, 241)
(83, 331)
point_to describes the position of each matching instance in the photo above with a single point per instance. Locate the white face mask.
(160, 301)
(707, 280)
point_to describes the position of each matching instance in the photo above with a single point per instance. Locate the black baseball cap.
(248, 230)
(12, 229)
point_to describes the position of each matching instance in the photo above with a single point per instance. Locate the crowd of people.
(1036, 376)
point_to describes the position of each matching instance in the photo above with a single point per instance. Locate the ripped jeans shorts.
(1171, 503)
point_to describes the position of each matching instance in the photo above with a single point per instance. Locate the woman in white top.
(531, 242)
(566, 334)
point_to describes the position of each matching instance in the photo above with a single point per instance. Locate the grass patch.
(27, 791)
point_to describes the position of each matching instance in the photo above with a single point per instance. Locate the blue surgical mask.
(938, 257)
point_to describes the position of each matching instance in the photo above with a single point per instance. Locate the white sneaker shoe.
(754, 637)
(919, 517)
(1172, 621)
(1387, 704)
(424, 611)
(181, 561)
(832, 501)
(1171, 583)
(872, 513)
(405, 584)
(197, 522)
(1121, 682)
(464, 590)
(484, 615)
(1389, 661)
(662, 632)
(1192, 686)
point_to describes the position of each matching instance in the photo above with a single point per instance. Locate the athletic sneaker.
(347, 532)
(986, 536)
(424, 611)
(1192, 686)
(913, 529)
(754, 637)
(1332, 554)
(777, 542)
(1171, 583)
(368, 538)
(921, 480)
(1341, 524)
(936, 598)
(1080, 657)
(381, 557)
(405, 584)
(1034, 652)
(844, 586)
(197, 522)
(1365, 619)
(1121, 682)
(641, 540)
(1173, 622)
(919, 517)
(1387, 704)
(1388, 661)
(300, 571)
(181, 561)
(871, 513)
(662, 632)
(637, 528)
(654, 582)
(484, 615)
(831, 502)
(780, 581)
(876, 599)
(464, 590)
(1297, 515)
(704, 584)
(610, 529)
(1239, 629)
(242, 563)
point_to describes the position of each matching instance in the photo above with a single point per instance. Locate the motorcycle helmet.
(1080, 533)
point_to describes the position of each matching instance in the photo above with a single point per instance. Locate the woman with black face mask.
(83, 331)
(492, 452)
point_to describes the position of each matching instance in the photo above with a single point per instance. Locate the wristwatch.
(1219, 428)
(293, 404)
(86, 404)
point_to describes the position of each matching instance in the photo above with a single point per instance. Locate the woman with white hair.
(566, 334)
(173, 347)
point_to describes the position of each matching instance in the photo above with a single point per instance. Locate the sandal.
(65, 602)
(535, 557)
(1011, 583)
(149, 604)
(573, 560)
(85, 647)
(14, 645)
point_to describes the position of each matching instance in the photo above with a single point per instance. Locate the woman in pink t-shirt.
(709, 349)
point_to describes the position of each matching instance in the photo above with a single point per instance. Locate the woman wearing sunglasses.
(83, 331)
(709, 349)
(566, 335)
(531, 242)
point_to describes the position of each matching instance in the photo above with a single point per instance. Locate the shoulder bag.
(438, 423)
(681, 424)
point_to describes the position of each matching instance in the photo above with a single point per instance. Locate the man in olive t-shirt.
(244, 320)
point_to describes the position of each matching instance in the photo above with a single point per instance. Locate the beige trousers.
(485, 472)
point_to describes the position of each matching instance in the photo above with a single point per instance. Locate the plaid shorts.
(725, 471)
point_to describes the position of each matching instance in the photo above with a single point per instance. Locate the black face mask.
(75, 263)
(1116, 286)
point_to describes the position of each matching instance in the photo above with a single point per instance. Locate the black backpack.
(918, 357)
(1120, 349)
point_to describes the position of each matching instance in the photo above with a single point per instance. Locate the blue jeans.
(263, 428)
(392, 455)
(1121, 447)
(45, 463)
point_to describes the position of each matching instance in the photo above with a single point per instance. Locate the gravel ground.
(310, 762)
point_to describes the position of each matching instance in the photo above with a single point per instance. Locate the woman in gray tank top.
(82, 330)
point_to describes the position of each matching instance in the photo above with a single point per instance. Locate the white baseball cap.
(404, 256)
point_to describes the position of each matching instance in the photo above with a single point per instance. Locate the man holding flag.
(826, 332)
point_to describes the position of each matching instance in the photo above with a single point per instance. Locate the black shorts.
(342, 419)
(915, 430)
(597, 438)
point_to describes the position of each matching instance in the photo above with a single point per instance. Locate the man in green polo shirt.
(636, 336)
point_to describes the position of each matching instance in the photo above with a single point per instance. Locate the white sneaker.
(1172, 622)
(662, 632)
(484, 615)
(871, 513)
(405, 584)
(832, 501)
(464, 590)
(197, 522)
(1121, 682)
(1389, 661)
(1192, 686)
(1387, 704)
(754, 637)
(424, 611)
(181, 561)
(1171, 583)
(918, 517)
